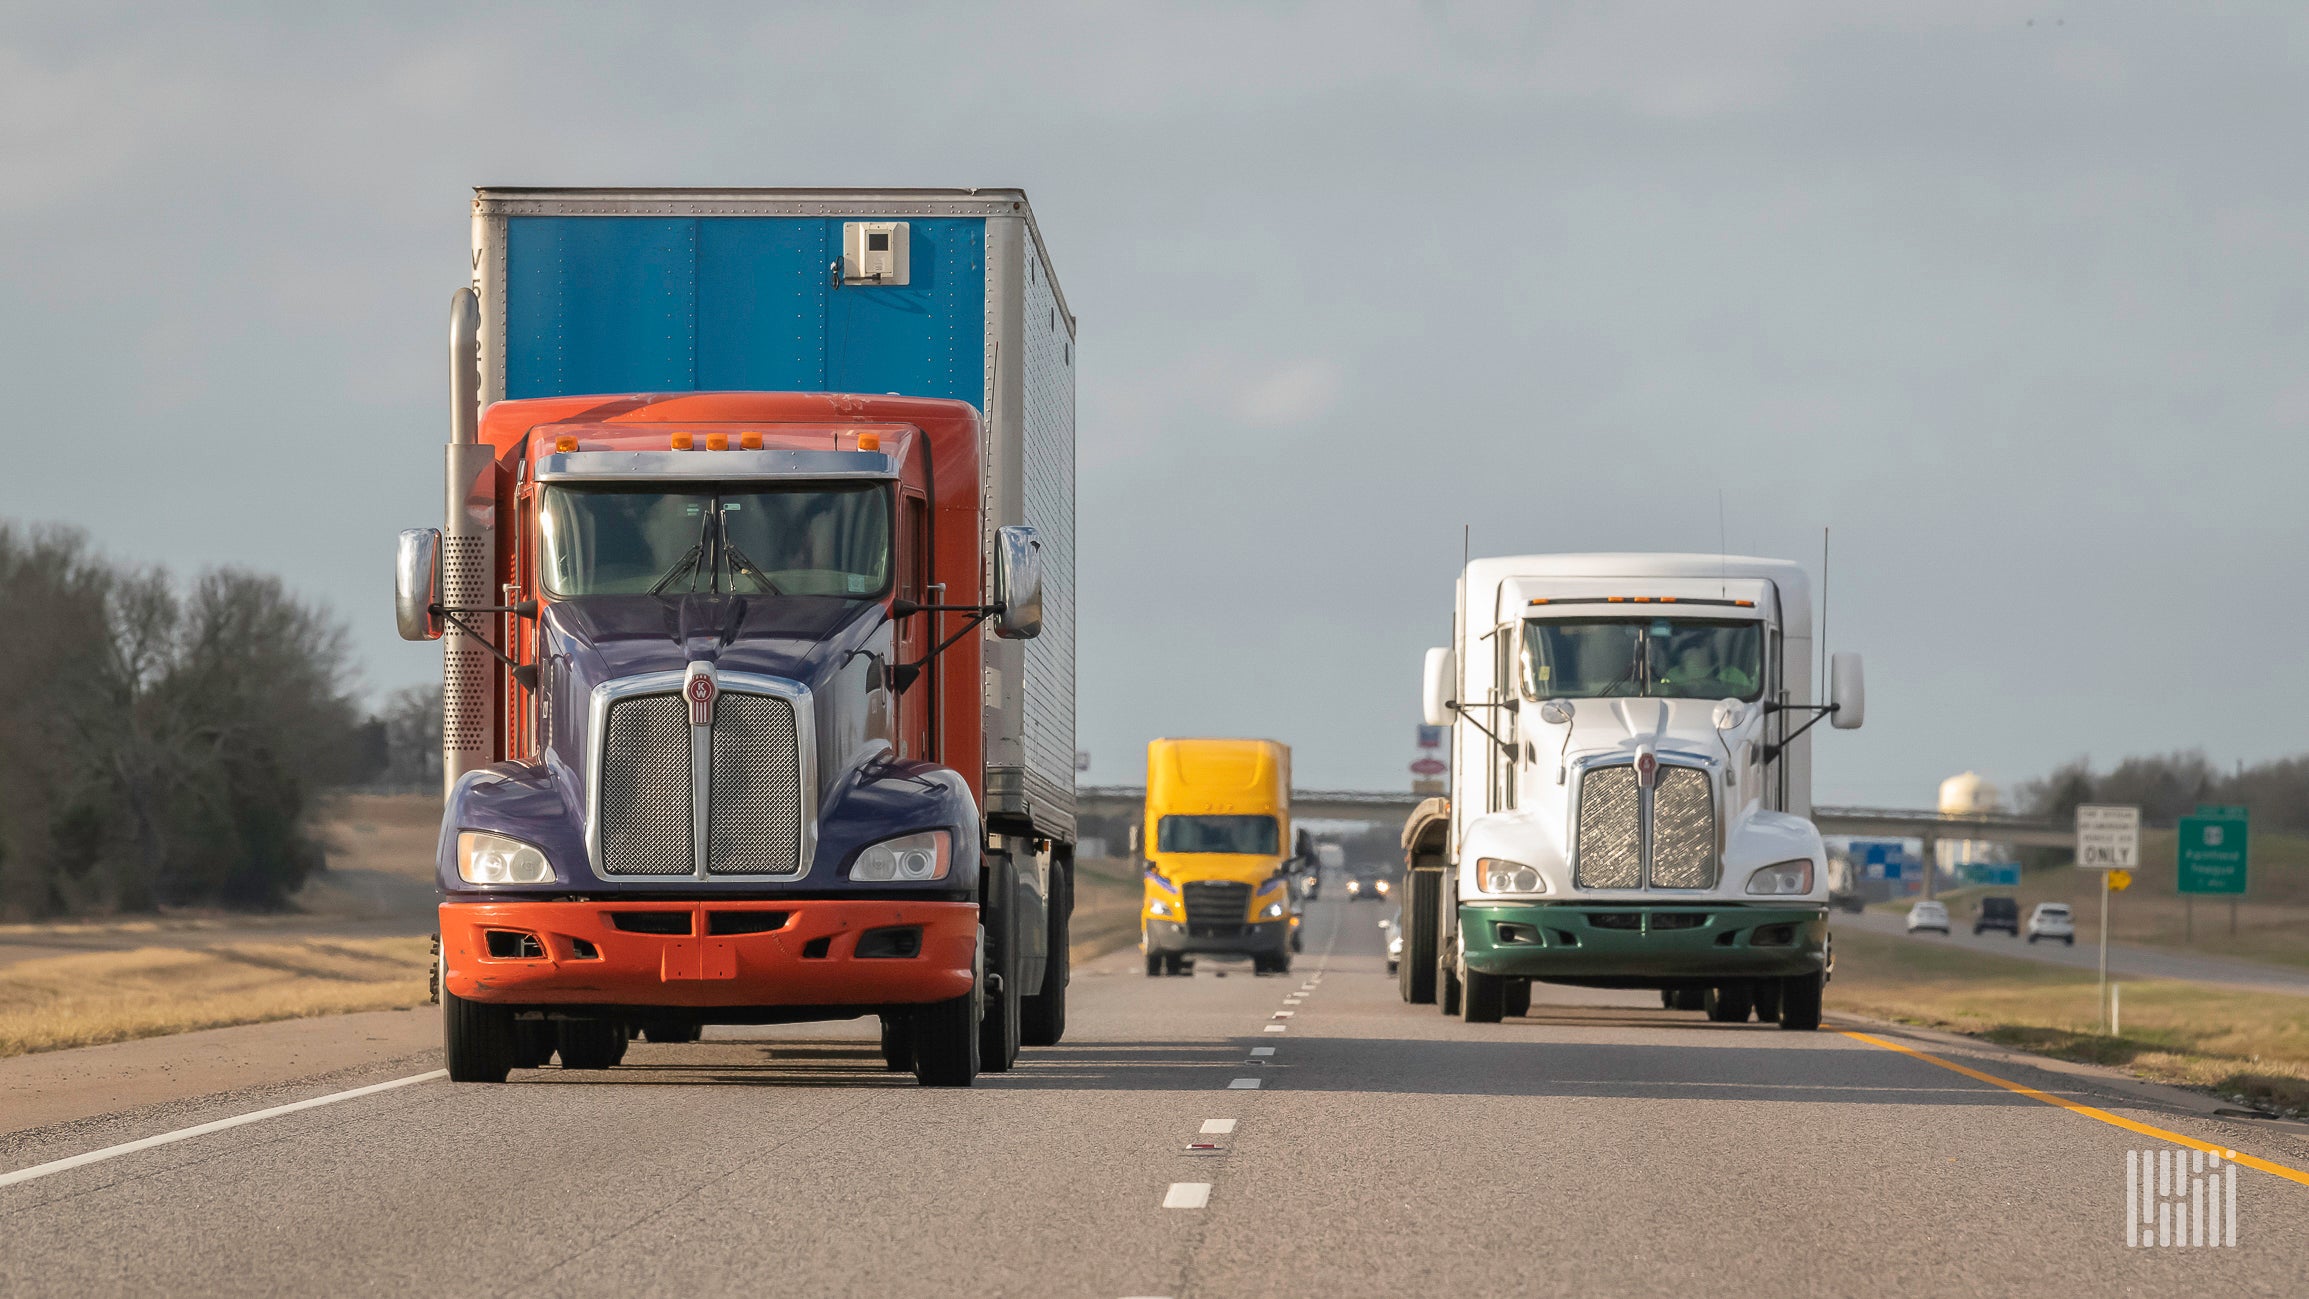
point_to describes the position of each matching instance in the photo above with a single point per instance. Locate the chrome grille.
(1221, 904)
(754, 817)
(1611, 852)
(1683, 830)
(645, 788)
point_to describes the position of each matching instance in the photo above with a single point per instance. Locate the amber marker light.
(717, 441)
(869, 441)
(683, 442)
(566, 442)
(750, 440)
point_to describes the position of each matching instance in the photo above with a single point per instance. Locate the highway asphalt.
(2124, 958)
(1600, 1146)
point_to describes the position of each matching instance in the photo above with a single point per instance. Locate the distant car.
(1311, 884)
(2052, 920)
(1394, 930)
(1927, 915)
(1372, 888)
(1998, 913)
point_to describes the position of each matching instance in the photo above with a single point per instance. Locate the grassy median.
(2251, 1047)
(97, 997)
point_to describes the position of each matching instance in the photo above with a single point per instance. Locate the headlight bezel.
(1504, 875)
(1770, 881)
(920, 857)
(490, 859)
(1162, 908)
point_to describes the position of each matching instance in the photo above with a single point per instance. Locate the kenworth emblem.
(700, 690)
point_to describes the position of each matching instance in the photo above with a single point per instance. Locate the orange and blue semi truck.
(755, 586)
(1218, 874)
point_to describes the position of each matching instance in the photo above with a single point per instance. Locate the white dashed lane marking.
(1277, 1028)
(1244, 1085)
(1218, 1127)
(1283, 1014)
(1187, 1195)
(1262, 1050)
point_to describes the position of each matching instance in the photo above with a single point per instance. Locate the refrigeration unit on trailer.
(1630, 789)
(756, 588)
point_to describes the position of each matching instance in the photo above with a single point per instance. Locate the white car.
(1394, 930)
(2052, 920)
(1928, 915)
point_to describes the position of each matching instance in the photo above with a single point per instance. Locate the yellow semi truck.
(1218, 860)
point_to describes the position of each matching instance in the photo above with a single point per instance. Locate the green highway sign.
(2212, 851)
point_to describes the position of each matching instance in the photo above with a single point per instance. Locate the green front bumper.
(1616, 941)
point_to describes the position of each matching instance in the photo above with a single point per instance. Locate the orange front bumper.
(805, 953)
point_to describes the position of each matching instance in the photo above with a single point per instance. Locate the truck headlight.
(1274, 911)
(485, 858)
(1159, 907)
(1498, 875)
(912, 858)
(1783, 878)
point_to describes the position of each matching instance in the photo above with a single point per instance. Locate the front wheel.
(946, 1042)
(477, 1040)
(1518, 1001)
(1800, 1001)
(1154, 965)
(1482, 997)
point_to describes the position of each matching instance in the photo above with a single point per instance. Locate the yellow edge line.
(2117, 1120)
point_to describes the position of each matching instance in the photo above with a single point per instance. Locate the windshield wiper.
(688, 563)
(739, 564)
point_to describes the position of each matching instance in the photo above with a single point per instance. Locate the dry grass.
(2247, 1046)
(98, 997)
(1107, 894)
(392, 833)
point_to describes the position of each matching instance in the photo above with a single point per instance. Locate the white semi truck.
(1630, 790)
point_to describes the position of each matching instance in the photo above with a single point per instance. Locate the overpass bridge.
(1129, 801)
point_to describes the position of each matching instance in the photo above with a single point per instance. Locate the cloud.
(1293, 395)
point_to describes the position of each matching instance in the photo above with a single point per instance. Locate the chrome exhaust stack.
(469, 675)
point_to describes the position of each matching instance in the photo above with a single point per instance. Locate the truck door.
(917, 706)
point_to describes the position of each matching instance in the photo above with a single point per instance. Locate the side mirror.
(1017, 583)
(1555, 712)
(417, 584)
(1730, 714)
(1438, 688)
(1846, 692)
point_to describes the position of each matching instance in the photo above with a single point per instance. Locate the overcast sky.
(2013, 298)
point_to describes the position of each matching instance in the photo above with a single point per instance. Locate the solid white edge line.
(1187, 1195)
(203, 1129)
(1218, 1127)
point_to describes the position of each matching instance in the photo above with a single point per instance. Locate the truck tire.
(1730, 1003)
(898, 1042)
(1176, 963)
(1415, 973)
(946, 1032)
(1800, 1001)
(1690, 999)
(589, 1043)
(946, 1042)
(1767, 994)
(476, 1039)
(659, 1030)
(1044, 1014)
(1447, 990)
(1482, 997)
(1518, 1002)
(532, 1043)
(998, 1024)
(1154, 965)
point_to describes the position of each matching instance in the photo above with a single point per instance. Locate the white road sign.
(2108, 838)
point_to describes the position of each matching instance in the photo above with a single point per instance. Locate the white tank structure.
(1969, 794)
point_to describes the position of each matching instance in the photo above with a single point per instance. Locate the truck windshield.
(1663, 658)
(818, 539)
(1245, 834)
